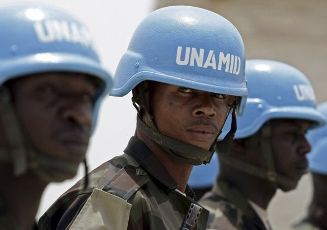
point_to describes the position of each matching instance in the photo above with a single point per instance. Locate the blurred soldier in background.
(203, 177)
(51, 84)
(269, 150)
(317, 212)
(185, 67)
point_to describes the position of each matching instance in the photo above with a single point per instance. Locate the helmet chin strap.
(21, 152)
(178, 150)
(269, 173)
(223, 146)
(17, 150)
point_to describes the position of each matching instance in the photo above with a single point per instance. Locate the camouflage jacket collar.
(152, 165)
(148, 161)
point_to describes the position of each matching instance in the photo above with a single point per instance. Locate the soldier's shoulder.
(218, 218)
(107, 177)
(217, 202)
(223, 214)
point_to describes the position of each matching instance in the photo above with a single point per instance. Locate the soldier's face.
(192, 116)
(55, 111)
(290, 148)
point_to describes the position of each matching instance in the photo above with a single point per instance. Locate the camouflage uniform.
(230, 210)
(140, 179)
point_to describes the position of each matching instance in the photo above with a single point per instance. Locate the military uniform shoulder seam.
(126, 182)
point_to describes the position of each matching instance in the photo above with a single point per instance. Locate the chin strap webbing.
(179, 150)
(13, 133)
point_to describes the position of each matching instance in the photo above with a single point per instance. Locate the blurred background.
(293, 31)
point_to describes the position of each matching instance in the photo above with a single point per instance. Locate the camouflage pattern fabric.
(141, 179)
(230, 214)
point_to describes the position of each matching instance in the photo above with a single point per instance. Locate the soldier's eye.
(185, 90)
(220, 96)
(88, 96)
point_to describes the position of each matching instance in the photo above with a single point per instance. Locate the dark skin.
(188, 115)
(289, 147)
(318, 208)
(55, 112)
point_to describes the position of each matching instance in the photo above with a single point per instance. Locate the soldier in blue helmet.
(270, 147)
(185, 67)
(316, 218)
(51, 84)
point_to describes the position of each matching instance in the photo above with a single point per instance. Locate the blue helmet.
(38, 38)
(203, 176)
(276, 90)
(318, 141)
(185, 46)
(35, 39)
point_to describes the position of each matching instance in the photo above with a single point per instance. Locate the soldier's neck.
(21, 195)
(180, 172)
(257, 190)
